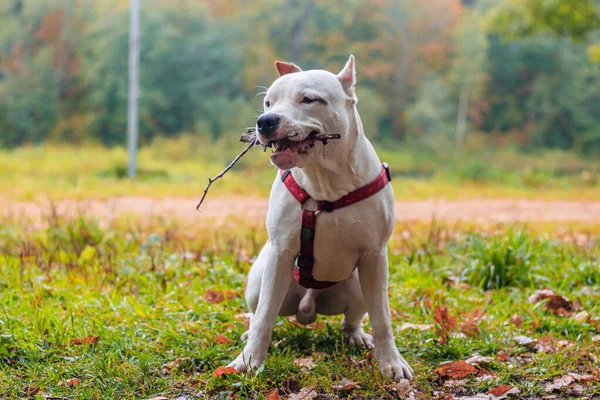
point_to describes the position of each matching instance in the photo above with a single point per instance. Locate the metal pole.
(132, 104)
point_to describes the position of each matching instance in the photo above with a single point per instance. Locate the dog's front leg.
(373, 276)
(275, 282)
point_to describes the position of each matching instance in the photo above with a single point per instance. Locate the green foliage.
(499, 261)
(443, 69)
(140, 287)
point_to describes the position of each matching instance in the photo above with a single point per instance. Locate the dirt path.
(251, 208)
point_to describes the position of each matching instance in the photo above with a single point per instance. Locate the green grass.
(180, 168)
(140, 287)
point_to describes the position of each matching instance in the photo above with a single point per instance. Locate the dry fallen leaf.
(443, 318)
(559, 383)
(455, 370)
(502, 355)
(516, 320)
(223, 371)
(502, 391)
(222, 339)
(477, 359)
(273, 395)
(314, 325)
(304, 362)
(557, 304)
(306, 393)
(345, 385)
(86, 340)
(523, 340)
(446, 322)
(469, 326)
(69, 382)
(213, 296)
(419, 327)
(581, 316)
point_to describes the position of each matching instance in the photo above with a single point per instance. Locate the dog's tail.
(307, 309)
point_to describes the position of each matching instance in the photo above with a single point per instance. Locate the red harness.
(305, 261)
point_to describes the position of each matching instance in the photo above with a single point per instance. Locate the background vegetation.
(522, 73)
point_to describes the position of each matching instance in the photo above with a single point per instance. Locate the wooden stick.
(250, 135)
(231, 164)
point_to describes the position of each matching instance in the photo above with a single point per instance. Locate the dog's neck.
(345, 166)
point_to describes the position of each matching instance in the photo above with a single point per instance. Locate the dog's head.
(301, 104)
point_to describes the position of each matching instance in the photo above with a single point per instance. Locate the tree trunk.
(461, 117)
(301, 11)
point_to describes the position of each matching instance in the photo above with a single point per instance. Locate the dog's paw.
(247, 361)
(394, 366)
(358, 338)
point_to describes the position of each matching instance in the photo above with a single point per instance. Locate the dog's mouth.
(286, 145)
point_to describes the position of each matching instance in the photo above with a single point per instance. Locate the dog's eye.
(307, 100)
(267, 104)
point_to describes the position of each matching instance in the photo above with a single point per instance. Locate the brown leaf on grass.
(477, 359)
(345, 385)
(314, 325)
(273, 395)
(445, 321)
(307, 393)
(443, 318)
(502, 355)
(469, 326)
(557, 304)
(418, 327)
(559, 383)
(85, 340)
(69, 382)
(455, 370)
(516, 320)
(30, 391)
(221, 339)
(304, 362)
(566, 380)
(581, 316)
(213, 296)
(501, 391)
(223, 371)
(524, 340)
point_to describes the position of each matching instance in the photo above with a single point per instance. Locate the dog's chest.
(342, 236)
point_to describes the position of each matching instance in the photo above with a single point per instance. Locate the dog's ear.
(347, 77)
(284, 68)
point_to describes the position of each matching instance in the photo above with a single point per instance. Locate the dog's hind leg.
(354, 314)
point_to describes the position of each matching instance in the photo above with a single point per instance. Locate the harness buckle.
(285, 175)
(304, 265)
(387, 171)
(328, 205)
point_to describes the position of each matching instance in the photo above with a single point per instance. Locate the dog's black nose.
(267, 123)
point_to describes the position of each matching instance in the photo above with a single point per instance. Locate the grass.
(147, 290)
(180, 168)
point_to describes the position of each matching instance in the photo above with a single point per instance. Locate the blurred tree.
(187, 66)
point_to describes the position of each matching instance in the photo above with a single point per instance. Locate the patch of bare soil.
(252, 208)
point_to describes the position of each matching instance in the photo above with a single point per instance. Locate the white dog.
(343, 243)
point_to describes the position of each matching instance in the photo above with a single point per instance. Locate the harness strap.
(305, 260)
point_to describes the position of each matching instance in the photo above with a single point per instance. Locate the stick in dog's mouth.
(285, 143)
